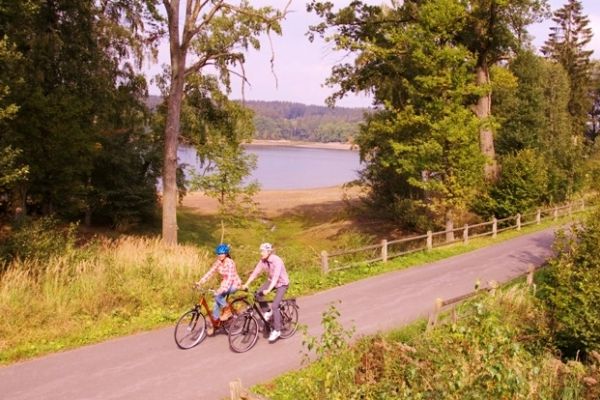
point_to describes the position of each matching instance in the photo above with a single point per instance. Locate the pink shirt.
(227, 270)
(276, 269)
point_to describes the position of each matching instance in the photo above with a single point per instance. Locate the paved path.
(150, 366)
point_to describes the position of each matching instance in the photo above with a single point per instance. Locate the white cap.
(266, 247)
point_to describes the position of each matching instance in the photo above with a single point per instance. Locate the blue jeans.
(220, 302)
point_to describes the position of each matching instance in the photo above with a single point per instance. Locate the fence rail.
(385, 250)
(435, 317)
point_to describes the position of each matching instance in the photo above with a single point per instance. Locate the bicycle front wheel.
(289, 318)
(190, 329)
(243, 333)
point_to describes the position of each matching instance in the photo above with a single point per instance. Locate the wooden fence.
(436, 316)
(388, 249)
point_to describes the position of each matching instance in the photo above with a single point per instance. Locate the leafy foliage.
(521, 187)
(79, 112)
(498, 348)
(217, 127)
(39, 239)
(423, 146)
(571, 290)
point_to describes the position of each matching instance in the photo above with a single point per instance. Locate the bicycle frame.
(202, 303)
(257, 309)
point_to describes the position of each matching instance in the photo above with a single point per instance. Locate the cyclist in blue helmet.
(230, 280)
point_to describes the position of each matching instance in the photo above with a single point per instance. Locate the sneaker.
(226, 315)
(268, 315)
(274, 335)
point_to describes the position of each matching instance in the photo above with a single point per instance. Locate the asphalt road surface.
(150, 366)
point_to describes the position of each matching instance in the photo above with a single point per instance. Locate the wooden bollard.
(538, 217)
(429, 240)
(494, 227)
(235, 390)
(519, 222)
(466, 234)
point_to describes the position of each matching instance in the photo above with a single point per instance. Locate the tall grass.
(107, 288)
(78, 295)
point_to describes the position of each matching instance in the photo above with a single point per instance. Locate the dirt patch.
(274, 203)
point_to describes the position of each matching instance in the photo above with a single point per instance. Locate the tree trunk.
(169, 200)
(449, 226)
(483, 110)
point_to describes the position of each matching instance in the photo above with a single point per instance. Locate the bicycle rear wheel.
(289, 318)
(243, 332)
(190, 329)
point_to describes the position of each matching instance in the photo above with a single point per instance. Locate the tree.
(594, 113)
(533, 115)
(566, 45)
(217, 127)
(12, 170)
(69, 86)
(490, 30)
(215, 34)
(421, 150)
(493, 30)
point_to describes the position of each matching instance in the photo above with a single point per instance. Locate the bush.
(37, 238)
(497, 349)
(571, 289)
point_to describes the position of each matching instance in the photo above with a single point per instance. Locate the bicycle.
(190, 329)
(243, 331)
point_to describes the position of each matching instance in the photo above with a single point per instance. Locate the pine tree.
(567, 45)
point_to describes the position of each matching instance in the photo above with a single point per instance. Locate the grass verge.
(112, 288)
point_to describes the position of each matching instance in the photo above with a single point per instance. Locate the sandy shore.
(277, 202)
(313, 145)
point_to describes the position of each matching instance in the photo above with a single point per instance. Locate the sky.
(301, 67)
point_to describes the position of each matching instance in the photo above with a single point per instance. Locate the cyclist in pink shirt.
(230, 281)
(278, 279)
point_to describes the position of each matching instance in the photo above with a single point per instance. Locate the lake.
(288, 167)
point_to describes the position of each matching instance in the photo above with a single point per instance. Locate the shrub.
(571, 289)
(37, 238)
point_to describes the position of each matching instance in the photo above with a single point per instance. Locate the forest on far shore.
(296, 121)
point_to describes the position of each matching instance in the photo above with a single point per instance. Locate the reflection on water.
(281, 167)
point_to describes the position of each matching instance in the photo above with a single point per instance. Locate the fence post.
(493, 286)
(324, 262)
(429, 240)
(538, 217)
(433, 317)
(384, 250)
(519, 222)
(555, 213)
(530, 270)
(466, 234)
(494, 227)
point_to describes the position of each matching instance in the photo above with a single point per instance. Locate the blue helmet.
(223, 248)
